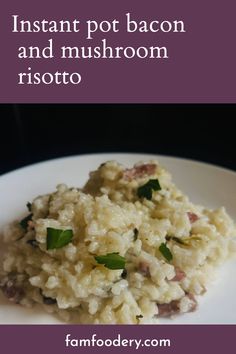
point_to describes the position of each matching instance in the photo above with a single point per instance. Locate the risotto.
(127, 248)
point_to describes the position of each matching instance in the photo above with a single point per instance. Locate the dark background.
(32, 133)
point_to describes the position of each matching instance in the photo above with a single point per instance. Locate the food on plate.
(127, 248)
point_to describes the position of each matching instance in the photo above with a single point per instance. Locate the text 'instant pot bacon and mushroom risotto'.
(127, 248)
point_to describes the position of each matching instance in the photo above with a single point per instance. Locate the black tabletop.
(32, 133)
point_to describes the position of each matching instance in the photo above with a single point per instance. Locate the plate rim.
(114, 155)
(74, 156)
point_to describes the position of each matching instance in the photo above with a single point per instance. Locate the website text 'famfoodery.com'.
(117, 341)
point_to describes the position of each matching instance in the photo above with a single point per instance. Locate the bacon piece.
(192, 217)
(140, 171)
(179, 274)
(173, 307)
(143, 268)
(166, 310)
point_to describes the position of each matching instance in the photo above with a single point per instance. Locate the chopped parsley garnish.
(124, 274)
(111, 260)
(24, 222)
(47, 300)
(183, 241)
(135, 234)
(146, 190)
(165, 251)
(139, 316)
(57, 238)
(176, 239)
(29, 206)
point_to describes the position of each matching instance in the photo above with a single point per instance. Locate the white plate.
(205, 184)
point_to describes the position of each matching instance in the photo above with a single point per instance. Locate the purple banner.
(62, 339)
(171, 51)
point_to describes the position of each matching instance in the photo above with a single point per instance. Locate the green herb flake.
(135, 234)
(124, 274)
(183, 241)
(47, 300)
(24, 222)
(139, 316)
(146, 190)
(165, 251)
(29, 206)
(111, 260)
(176, 239)
(57, 238)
